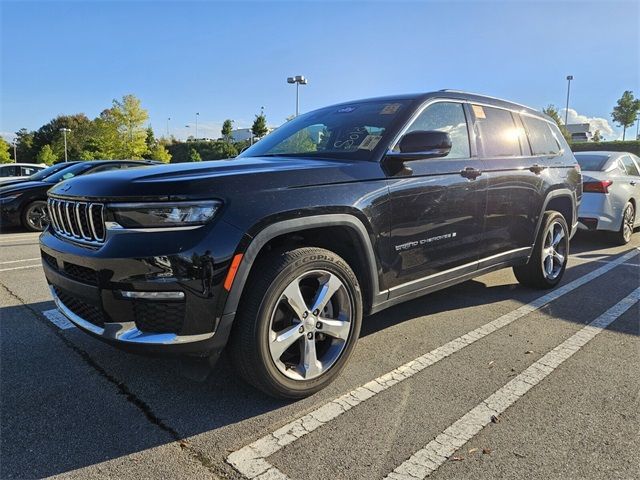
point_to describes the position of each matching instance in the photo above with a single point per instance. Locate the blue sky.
(228, 59)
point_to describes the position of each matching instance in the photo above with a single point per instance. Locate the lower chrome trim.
(127, 332)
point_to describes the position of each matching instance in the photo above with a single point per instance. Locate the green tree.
(194, 156)
(259, 127)
(150, 139)
(626, 110)
(227, 129)
(128, 117)
(24, 146)
(46, 155)
(5, 156)
(159, 152)
(552, 111)
(50, 134)
(597, 137)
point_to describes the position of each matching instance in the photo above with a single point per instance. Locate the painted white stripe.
(428, 459)
(19, 268)
(251, 461)
(19, 261)
(58, 319)
(20, 235)
(19, 242)
(582, 262)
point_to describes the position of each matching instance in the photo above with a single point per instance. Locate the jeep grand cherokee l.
(277, 255)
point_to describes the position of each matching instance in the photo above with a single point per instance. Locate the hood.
(213, 179)
(21, 187)
(13, 181)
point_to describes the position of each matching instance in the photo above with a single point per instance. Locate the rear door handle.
(470, 173)
(537, 169)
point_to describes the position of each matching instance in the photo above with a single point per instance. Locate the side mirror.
(423, 144)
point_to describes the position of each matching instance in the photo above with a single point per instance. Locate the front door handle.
(470, 173)
(537, 169)
(633, 183)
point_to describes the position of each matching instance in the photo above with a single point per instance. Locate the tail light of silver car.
(600, 186)
(82, 221)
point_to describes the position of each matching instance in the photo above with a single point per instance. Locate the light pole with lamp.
(566, 111)
(197, 115)
(298, 80)
(64, 133)
(15, 151)
(168, 118)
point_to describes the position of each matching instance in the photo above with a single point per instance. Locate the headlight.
(169, 214)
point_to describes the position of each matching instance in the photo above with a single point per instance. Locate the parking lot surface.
(486, 379)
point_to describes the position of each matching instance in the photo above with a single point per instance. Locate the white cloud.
(597, 123)
(8, 136)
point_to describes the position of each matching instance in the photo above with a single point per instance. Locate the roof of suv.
(458, 95)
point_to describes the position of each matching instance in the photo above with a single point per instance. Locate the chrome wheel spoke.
(548, 265)
(558, 237)
(558, 258)
(335, 328)
(311, 366)
(294, 298)
(283, 340)
(326, 291)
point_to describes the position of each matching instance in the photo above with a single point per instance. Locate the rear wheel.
(35, 216)
(623, 236)
(298, 324)
(550, 254)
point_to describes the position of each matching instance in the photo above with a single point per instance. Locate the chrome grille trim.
(68, 218)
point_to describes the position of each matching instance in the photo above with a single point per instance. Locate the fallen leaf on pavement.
(491, 363)
(528, 352)
(473, 450)
(457, 459)
(494, 419)
(486, 451)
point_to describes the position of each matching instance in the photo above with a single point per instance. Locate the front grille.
(81, 221)
(159, 317)
(80, 273)
(84, 310)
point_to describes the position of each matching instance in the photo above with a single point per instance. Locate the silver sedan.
(611, 193)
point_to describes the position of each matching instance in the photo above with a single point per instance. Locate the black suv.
(339, 213)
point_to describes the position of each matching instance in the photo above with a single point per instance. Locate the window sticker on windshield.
(346, 109)
(390, 109)
(478, 111)
(370, 142)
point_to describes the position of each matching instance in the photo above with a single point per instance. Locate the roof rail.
(452, 90)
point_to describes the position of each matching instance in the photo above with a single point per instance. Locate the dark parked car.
(339, 213)
(25, 202)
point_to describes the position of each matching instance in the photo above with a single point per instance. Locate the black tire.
(32, 220)
(535, 273)
(623, 236)
(253, 335)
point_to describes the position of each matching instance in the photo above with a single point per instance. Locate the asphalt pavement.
(483, 380)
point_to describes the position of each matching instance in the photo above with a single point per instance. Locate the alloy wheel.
(310, 325)
(627, 223)
(554, 251)
(37, 217)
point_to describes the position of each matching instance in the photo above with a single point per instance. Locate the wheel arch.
(561, 200)
(333, 229)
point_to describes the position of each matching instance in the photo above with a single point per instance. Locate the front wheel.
(35, 216)
(548, 261)
(298, 323)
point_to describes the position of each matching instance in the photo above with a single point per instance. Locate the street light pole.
(168, 118)
(15, 151)
(197, 115)
(566, 110)
(298, 80)
(64, 133)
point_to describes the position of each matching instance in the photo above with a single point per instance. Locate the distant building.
(242, 134)
(580, 132)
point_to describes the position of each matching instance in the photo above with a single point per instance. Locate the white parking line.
(19, 268)
(251, 461)
(428, 459)
(18, 261)
(58, 319)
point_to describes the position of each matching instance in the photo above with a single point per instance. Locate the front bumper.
(86, 284)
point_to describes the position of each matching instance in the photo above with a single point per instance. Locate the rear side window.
(498, 132)
(9, 171)
(446, 117)
(541, 138)
(630, 166)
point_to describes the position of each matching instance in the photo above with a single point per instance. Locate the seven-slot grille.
(77, 220)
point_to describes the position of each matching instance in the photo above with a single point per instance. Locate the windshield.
(348, 131)
(44, 173)
(67, 173)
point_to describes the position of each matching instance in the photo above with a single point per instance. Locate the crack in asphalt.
(123, 389)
